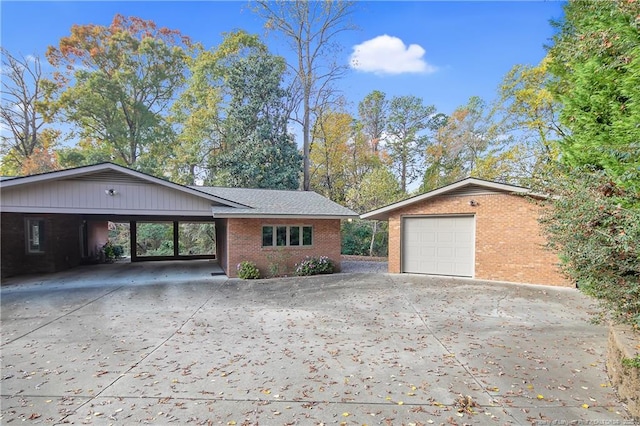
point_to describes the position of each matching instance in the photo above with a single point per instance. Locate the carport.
(54, 221)
(58, 220)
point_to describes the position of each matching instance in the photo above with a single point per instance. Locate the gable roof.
(468, 186)
(276, 203)
(225, 202)
(84, 171)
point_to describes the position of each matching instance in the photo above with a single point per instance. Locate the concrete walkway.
(178, 345)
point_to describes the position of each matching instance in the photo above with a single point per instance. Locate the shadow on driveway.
(345, 349)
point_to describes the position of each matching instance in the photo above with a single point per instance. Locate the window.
(35, 235)
(283, 236)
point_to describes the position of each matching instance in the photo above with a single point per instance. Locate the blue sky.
(461, 49)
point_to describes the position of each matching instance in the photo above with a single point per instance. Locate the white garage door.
(438, 245)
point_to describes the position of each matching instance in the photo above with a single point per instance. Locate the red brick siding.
(221, 243)
(62, 244)
(509, 245)
(244, 242)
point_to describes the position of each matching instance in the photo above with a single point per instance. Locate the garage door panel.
(439, 245)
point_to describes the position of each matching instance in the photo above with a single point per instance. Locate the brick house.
(471, 228)
(54, 221)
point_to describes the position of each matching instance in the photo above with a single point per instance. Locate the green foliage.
(199, 112)
(358, 234)
(310, 29)
(459, 143)
(196, 238)
(119, 82)
(120, 235)
(154, 239)
(631, 362)
(248, 270)
(278, 260)
(373, 112)
(594, 224)
(315, 266)
(406, 139)
(112, 251)
(596, 64)
(529, 115)
(260, 153)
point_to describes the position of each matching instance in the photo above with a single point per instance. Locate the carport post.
(176, 247)
(133, 236)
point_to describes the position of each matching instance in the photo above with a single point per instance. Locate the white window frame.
(34, 235)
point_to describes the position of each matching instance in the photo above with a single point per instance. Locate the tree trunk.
(374, 230)
(306, 150)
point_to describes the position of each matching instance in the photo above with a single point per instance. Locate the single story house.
(54, 221)
(472, 228)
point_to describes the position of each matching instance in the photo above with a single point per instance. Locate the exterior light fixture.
(473, 203)
(110, 192)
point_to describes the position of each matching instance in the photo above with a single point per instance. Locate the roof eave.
(280, 216)
(383, 213)
(84, 170)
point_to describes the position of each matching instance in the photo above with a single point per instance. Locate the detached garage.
(472, 228)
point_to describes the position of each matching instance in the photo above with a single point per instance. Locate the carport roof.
(275, 203)
(224, 202)
(466, 186)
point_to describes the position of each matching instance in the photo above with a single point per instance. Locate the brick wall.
(61, 244)
(244, 242)
(509, 244)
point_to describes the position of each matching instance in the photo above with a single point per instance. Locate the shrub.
(248, 270)
(112, 252)
(594, 224)
(314, 266)
(278, 261)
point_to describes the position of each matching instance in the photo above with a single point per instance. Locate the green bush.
(315, 266)
(594, 224)
(356, 238)
(112, 252)
(248, 270)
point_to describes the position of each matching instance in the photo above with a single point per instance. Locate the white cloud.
(389, 55)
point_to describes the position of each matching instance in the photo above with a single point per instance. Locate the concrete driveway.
(166, 343)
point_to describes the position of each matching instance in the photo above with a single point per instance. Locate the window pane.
(267, 236)
(294, 236)
(35, 236)
(307, 235)
(281, 236)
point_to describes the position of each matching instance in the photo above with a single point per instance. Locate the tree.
(330, 136)
(406, 138)
(198, 113)
(119, 82)
(373, 112)
(457, 146)
(595, 227)
(310, 28)
(28, 148)
(530, 116)
(259, 151)
(377, 189)
(593, 216)
(595, 61)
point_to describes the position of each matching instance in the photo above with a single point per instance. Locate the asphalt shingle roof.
(273, 202)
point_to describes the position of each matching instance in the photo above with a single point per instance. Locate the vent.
(110, 177)
(472, 190)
